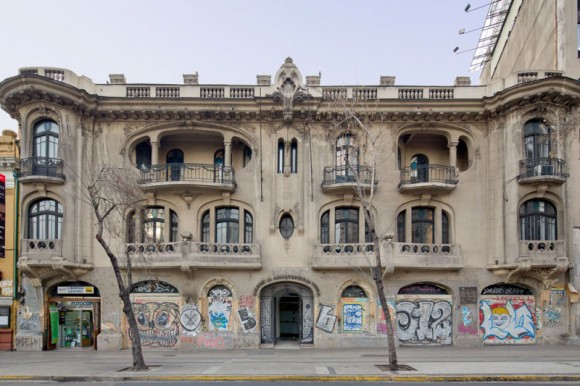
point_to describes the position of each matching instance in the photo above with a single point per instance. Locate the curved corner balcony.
(542, 170)
(343, 256)
(427, 178)
(347, 178)
(42, 169)
(426, 256)
(188, 176)
(194, 255)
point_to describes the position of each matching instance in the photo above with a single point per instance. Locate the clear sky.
(351, 42)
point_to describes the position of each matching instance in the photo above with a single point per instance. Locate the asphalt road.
(283, 383)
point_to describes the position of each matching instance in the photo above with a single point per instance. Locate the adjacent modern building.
(252, 228)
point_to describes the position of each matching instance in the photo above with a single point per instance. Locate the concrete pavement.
(491, 363)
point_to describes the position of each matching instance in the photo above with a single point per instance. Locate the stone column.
(227, 154)
(452, 153)
(287, 150)
(154, 153)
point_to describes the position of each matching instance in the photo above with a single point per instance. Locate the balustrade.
(41, 249)
(410, 93)
(42, 167)
(54, 74)
(527, 77)
(167, 92)
(138, 92)
(241, 92)
(212, 92)
(203, 173)
(440, 93)
(334, 93)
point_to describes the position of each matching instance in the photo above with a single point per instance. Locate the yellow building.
(8, 281)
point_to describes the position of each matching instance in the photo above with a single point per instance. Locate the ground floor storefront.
(338, 310)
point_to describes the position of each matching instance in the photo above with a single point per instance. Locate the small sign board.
(467, 295)
(76, 290)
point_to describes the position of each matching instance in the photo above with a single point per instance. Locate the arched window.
(248, 227)
(143, 155)
(401, 219)
(422, 222)
(346, 155)
(280, 156)
(444, 228)
(420, 168)
(46, 135)
(153, 225)
(173, 234)
(346, 222)
(538, 220)
(205, 227)
(45, 220)
(286, 226)
(227, 225)
(353, 291)
(325, 228)
(537, 139)
(174, 161)
(130, 228)
(294, 156)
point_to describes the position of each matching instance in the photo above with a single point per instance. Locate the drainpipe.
(16, 233)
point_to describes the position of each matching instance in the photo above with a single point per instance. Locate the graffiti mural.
(158, 323)
(507, 319)
(467, 324)
(219, 308)
(190, 319)
(247, 319)
(552, 315)
(424, 319)
(326, 320)
(354, 315)
(382, 321)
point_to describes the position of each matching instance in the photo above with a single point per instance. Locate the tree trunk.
(378, 279)
(138, 360)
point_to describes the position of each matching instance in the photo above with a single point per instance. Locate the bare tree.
(354, 116)
(113, 193)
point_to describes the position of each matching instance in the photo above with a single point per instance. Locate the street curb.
(311, 378)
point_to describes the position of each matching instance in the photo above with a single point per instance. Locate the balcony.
(42, 169)
(344, 256)
(428, 178)
(425, 256)
(194, 255)
(347, 178)
(543, 170)
(202, 177)
(39, 254)
(542, 253)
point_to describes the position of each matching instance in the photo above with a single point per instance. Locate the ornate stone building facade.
(253, 231)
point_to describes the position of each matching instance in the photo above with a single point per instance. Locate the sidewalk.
(495, 363)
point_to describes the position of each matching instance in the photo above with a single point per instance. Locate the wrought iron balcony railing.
(542, 168)
(353, 174)
(42, 167)
(430, 173)
(201, 173)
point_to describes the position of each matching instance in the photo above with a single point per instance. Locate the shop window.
(538, 220)
(143, 155)
(286, 226)
(45, 220)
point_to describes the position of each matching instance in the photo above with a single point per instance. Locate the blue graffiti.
(352, 316)
(505, 322)
(465, 314)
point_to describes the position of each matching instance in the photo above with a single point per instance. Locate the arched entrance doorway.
(287, 313)
(74, 315)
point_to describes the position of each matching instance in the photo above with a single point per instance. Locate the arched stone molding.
(369, 289)
(433, 283)
(34, 114)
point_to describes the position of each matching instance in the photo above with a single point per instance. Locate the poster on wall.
(53, 311)
(2, 214)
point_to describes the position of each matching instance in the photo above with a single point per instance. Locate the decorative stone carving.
(387, 80)
(290, 89)
(117, 79)
(191, 79)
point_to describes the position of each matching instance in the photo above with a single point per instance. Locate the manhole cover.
(399, 368)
